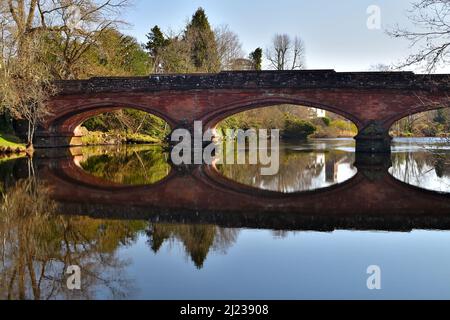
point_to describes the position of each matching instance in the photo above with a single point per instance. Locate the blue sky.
(335, 32)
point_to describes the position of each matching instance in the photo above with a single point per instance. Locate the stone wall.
(308, 79)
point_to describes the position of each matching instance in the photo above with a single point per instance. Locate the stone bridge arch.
(61, 128)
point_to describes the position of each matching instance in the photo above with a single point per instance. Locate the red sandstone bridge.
(374, 101)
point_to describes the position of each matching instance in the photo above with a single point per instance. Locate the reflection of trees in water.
(198, 240)
(37, 246)
(299, 171)
(412, 167)
(129, 165)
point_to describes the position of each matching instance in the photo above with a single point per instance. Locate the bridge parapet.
(304, 79)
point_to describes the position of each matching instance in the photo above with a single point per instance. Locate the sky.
(335, 33)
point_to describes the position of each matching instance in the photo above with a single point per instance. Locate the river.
(192, 250)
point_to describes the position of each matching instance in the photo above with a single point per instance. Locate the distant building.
(241, 64)
(318, 113)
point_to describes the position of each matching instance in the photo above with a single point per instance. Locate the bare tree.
(73, 26)
(381, 67)
(286, 53)
(431, 34)
(26, 85)
(37, 246)
(34, 30)
(229, 47)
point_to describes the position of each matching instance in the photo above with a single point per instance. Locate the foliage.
(10, 141)
(202, 43)
(198, 240)
(25, 84)
(40, 41)
(256, 58)
(38, 246)
(130, 166)
(274, 118)
(426, 124)
(129, 121)
(297, 129)
(157, 42)
(114, 54)
(326, 121)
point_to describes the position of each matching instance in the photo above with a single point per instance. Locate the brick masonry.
(369, 99)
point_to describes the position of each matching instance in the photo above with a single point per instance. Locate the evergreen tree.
(256, 58)
(202, 42)
(156, 43)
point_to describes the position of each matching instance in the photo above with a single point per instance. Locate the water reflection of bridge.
(373, 199)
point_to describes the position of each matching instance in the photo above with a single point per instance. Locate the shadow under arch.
(67, 122)
(213, 119)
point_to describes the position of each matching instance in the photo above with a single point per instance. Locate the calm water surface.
(138, 259)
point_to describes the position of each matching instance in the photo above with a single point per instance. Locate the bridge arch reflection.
(373, 199)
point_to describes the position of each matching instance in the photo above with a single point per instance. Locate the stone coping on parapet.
(248, 80)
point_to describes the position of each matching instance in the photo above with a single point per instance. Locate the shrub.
(295, 128)
(326, 121)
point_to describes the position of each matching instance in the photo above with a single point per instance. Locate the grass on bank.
(11, 142)
(92, 138)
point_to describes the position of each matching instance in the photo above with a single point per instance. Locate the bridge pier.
(374, 166)
(374, 138)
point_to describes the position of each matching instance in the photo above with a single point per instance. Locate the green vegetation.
(297, 129)
(124, 126)
(203, 46)
(295, 122)
(337, 128)
(11, 144)
(326, 121)
(11, 141)
(256, 58)
(42, 241)
(427, 124)
(132, 165)
(96, 138)
(195, 50)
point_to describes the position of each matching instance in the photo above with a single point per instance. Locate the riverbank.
(414, 135)
(97, 138)
(10, 144)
